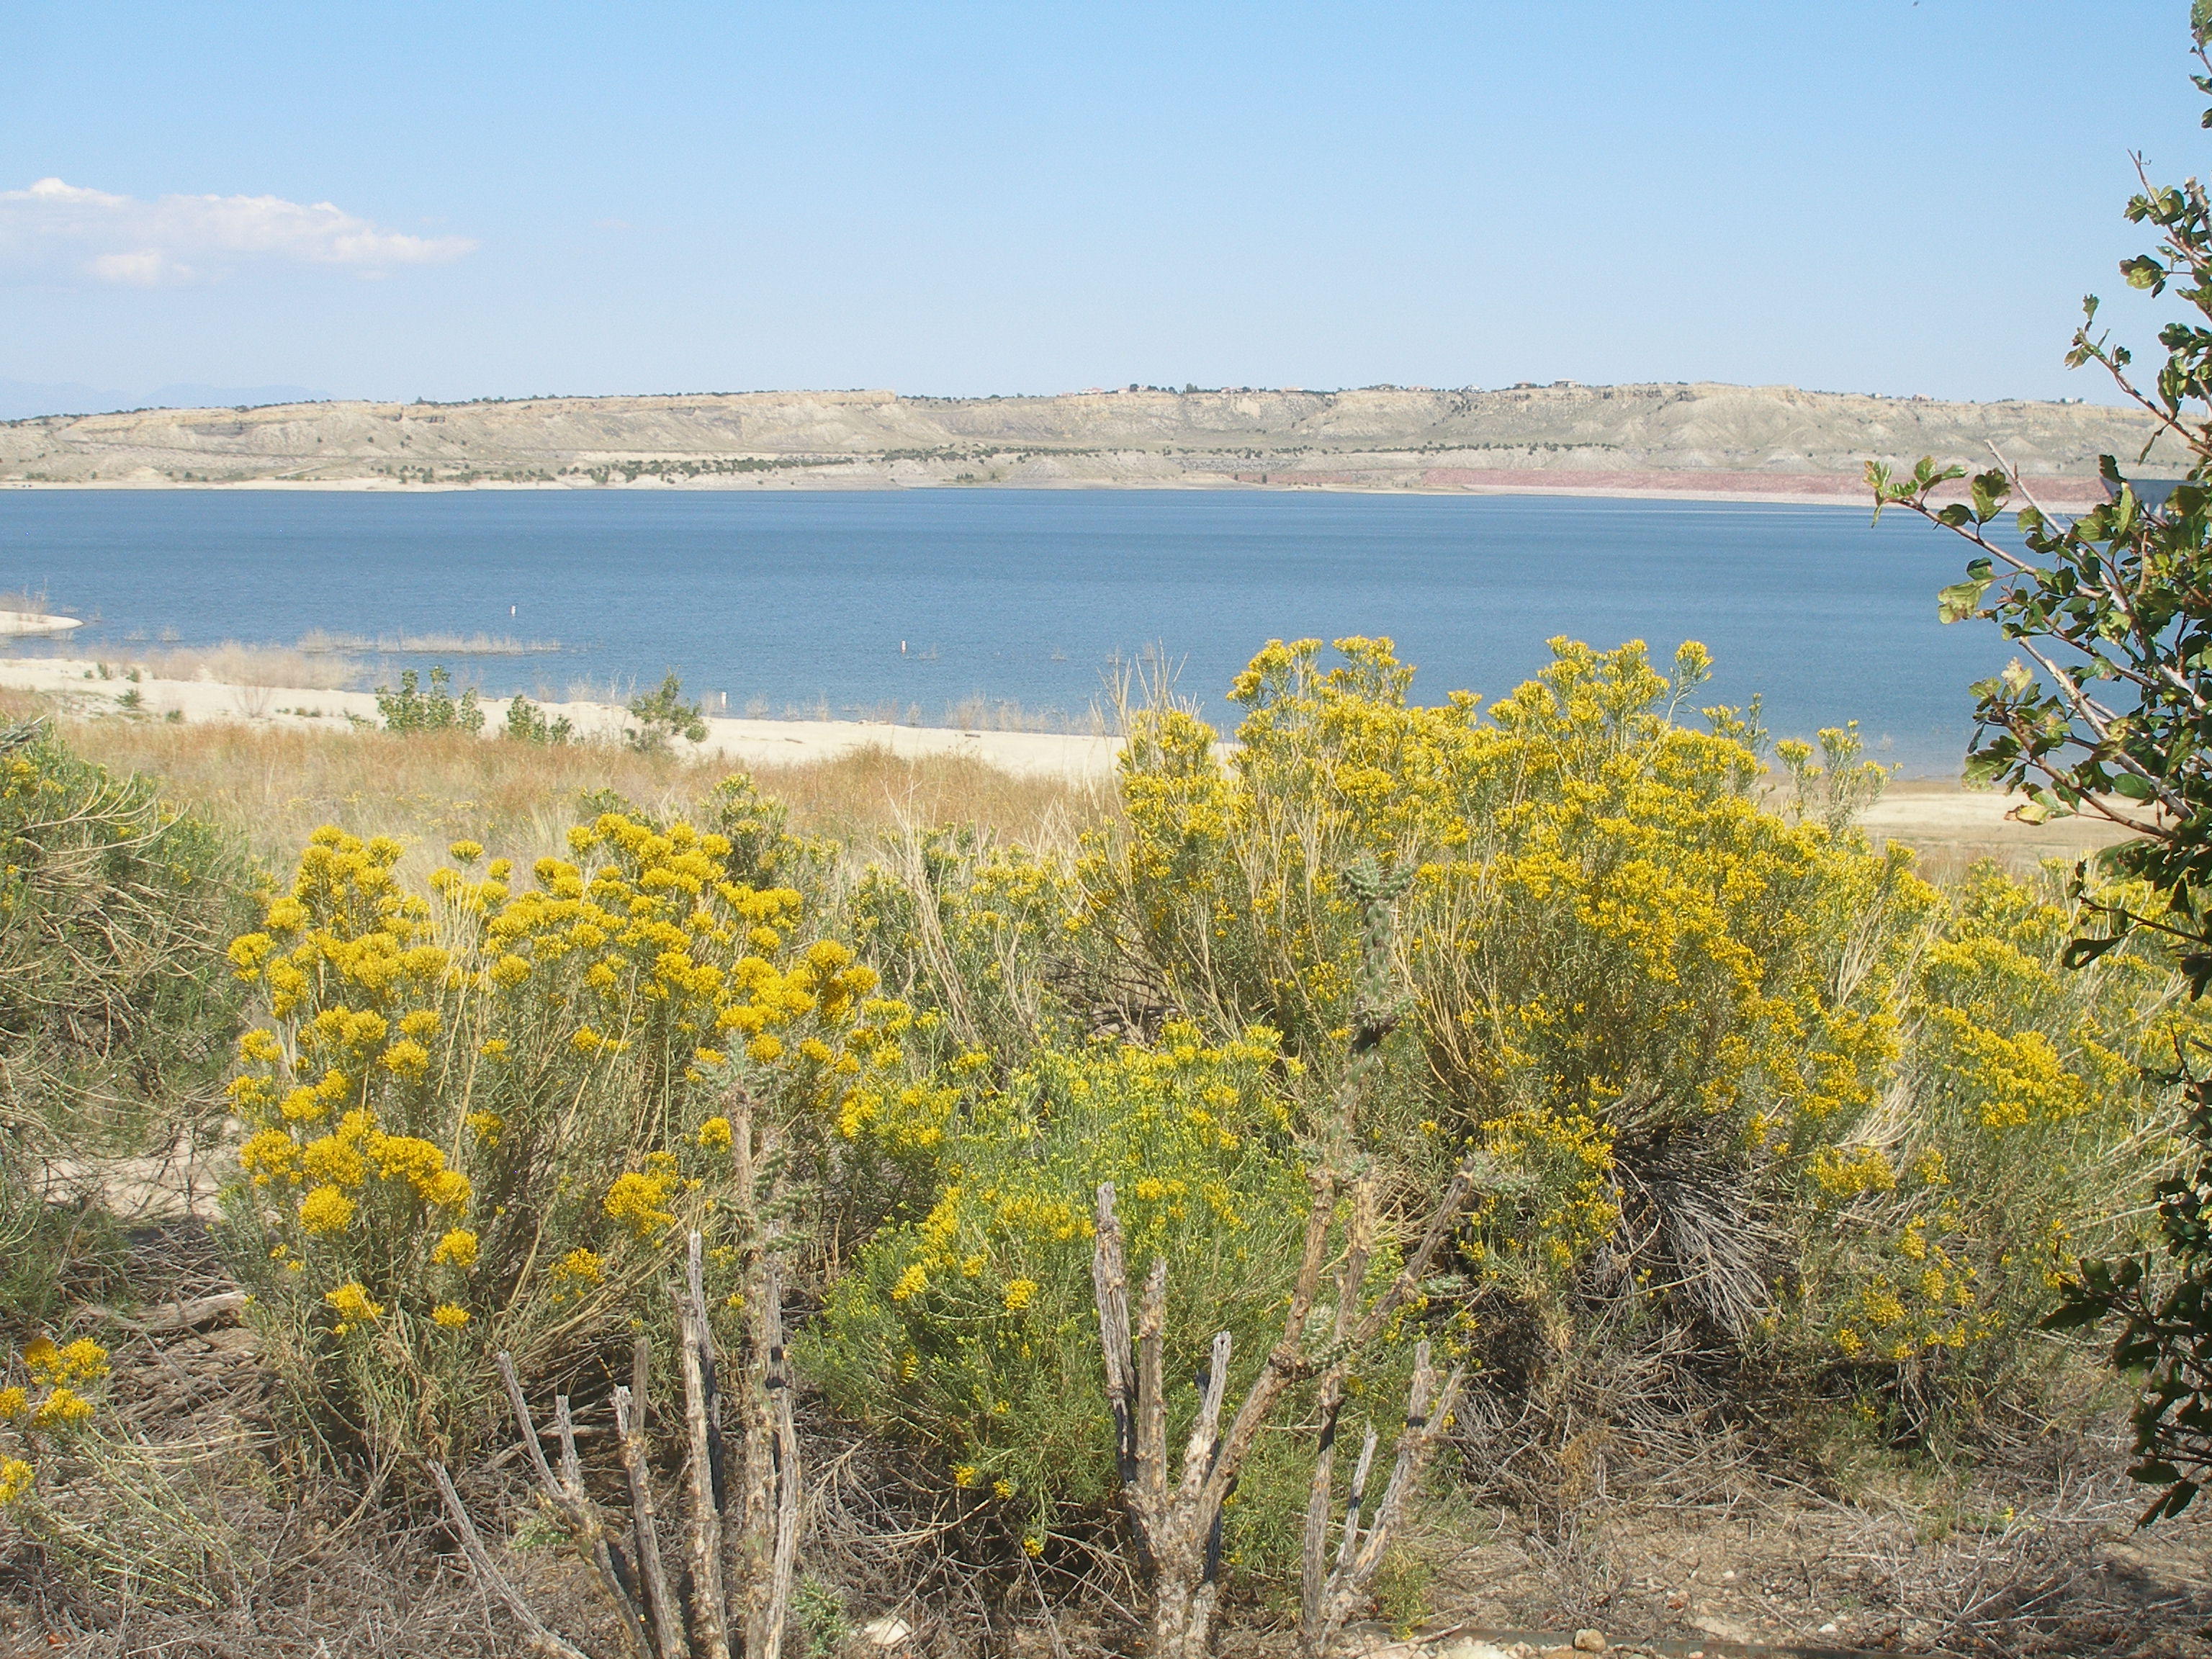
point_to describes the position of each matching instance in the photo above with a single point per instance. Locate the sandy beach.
(1936, 816)
(94, 688)
(1944, 820)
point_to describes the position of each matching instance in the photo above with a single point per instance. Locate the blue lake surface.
(788, 601)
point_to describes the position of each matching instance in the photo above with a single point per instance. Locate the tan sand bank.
(1945, 819)
(23, 623)
(1938, 818)
(752, 743)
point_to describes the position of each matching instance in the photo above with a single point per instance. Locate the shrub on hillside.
(1707, 1043)
(484, 1113)
(413, 708)
(115, 1014)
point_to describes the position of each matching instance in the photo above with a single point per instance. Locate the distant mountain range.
(1704, 439)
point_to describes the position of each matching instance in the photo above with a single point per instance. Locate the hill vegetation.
(1535, 1064)
(1701, 437)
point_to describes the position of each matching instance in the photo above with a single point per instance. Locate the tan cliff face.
(1379, 438)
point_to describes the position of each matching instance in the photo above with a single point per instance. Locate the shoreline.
(2061, 494)
(1074, 757)
(1939, 818)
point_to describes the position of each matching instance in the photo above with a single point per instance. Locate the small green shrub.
(1401, 1592)
(53, 1251)
(411, 708)
(823, 1625)
(115, 1013)
(527, 723)
(969, 1332)
(663, 716)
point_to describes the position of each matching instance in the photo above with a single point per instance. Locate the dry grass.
(2024, 1557)
(976, 713)
(199, 1525)
(277, 786)
(479, 644)
(982, 713)
(232, 664)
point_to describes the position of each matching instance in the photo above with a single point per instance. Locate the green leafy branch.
(2113, 608)
(2165, 1324)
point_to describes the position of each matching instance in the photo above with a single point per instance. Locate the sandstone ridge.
(1696, 439)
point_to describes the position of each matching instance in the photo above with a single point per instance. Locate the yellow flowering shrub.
(1728, 1061)
(1730, 1068)
(969, 1332)
(2018, 1128)
(1610, 949)
(483, 1111)
(48, 1392)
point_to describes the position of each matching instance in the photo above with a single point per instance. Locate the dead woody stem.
(1175, 1513)
(741, 1525)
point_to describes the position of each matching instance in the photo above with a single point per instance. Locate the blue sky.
(954, 198)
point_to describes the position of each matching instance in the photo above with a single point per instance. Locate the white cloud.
(145, 268)
(55, 230)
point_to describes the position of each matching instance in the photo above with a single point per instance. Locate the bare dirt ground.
(251, 1546)
(1950, 826)
(256, 1551)
(2021, 1567)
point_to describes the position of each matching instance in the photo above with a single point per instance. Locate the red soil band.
(2072, 494)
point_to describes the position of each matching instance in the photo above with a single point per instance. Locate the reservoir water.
(792, 603)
